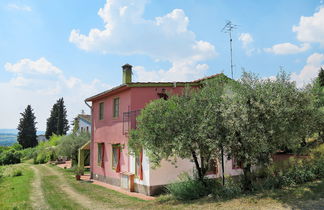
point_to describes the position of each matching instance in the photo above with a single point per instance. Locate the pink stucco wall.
(110, 130)
(141, 96)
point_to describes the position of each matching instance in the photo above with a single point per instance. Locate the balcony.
(129, 121)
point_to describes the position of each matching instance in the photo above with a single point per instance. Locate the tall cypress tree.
(57, 122)
(27, 129)
(51, 125)
(321, 77)
(62, 122)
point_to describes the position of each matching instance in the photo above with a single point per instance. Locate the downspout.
(91, 140)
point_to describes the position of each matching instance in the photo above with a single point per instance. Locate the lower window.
(116, 157)
(101, 153)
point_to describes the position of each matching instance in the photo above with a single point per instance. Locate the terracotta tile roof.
(134, 84)
(205, 78)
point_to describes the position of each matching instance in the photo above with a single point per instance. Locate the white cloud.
(247, 44)
(166, 38)
(310, 70)
(287, 48)
(19, 7)
(40, 66)
(40, 83)
(246, 39)
(311, 29)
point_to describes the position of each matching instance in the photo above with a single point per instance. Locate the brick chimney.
(127, 73)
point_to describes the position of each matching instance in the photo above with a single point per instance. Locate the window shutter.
(141, 166)
(102, 155)
(118, 163)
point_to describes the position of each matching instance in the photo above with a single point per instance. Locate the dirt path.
(82, 200)
(37, 196)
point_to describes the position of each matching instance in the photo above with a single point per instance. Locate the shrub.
(10, 156)
(28, 153)
(70, 144)
(291, 172)
(11, 171)
(16, 147)
(188, 188)
(46, 151)
(231, 189)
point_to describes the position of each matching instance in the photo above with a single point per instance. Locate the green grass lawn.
(310, 195)
(15, 191)
(55, 198)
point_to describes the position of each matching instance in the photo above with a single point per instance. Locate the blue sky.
(74, 49)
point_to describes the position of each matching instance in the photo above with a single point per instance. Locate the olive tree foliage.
(262, 117)
(184, 126)
(70, 144)
(317, 91)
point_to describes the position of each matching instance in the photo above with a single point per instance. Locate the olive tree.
(262, 117)
(170, 129)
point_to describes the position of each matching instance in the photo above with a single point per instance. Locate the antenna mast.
(228, 29)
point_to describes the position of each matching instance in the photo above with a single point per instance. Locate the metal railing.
(129, 121)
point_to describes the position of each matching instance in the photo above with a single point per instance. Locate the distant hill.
(11, 131)
(7, 139)
(9, 136)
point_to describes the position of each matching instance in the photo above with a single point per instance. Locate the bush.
(10, 156)
(70, 144)
(189, 188)
(230, 190)
(291, 172)
(46, 151)
(28, 153)
(11, 172)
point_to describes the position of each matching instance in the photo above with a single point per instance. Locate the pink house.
(113, 116)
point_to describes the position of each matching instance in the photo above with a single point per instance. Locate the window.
(139, 166)
(116, 107)
(116, 157)
(236, 164)
(101, 153)
(101, 111)
(212, 167)
(87, 129)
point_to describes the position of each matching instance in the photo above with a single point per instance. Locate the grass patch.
(306, 196)
(15, 190)
(98, 193)
(53, 195)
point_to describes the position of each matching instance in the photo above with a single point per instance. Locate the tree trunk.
(223, 167)
(247, 182)
(200, 174)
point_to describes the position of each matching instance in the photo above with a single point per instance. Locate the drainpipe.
(91, 140)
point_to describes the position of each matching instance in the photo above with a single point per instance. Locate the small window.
(100, 154)
(101, 111)
(116, 107)
(87, 129)
(212, 167)
(116, 157)
(236, 164)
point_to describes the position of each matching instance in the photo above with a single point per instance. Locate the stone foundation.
(143, 189)
(149, 190)
(109, 180)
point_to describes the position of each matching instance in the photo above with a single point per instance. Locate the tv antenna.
(228, 28)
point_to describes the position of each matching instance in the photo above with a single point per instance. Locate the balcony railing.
(129, 121)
